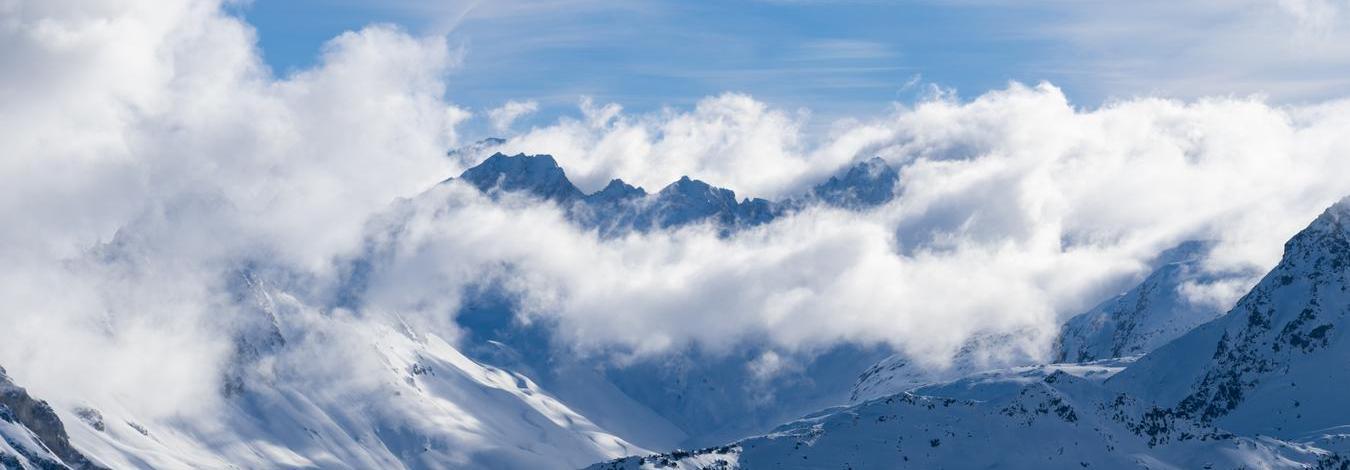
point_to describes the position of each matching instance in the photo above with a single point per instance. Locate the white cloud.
(150, 154)
(504, 116)
(1017, 210)
(729, 140)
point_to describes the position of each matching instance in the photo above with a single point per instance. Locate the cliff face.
(35, 434)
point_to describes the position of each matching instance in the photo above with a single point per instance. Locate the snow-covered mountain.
(619, 208)
(1149, 315)
(1275, 363)
(1036, 417)
(707, 397)
(870, 183)
(1255, 388)
(407, 399)
(498, 397)
(32, 436)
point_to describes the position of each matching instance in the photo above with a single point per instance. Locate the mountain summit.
(538, 175)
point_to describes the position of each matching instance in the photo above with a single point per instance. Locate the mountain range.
(1149, 378)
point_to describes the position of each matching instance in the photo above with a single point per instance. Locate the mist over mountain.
(724, 234)
(1254, 387)
(514, 377)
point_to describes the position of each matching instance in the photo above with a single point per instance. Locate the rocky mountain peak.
(539, 175)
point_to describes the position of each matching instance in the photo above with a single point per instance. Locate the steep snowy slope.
(405, 400)
(1150, 314)
(1048, 417)
(32, 436)
(21, 448)
(1277, 362)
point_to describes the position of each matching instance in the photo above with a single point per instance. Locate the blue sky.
(842, 58)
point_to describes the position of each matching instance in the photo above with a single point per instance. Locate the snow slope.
(407, 400)
(1030, 418)
(31, 434)
(1149, 315)
(1275, 364)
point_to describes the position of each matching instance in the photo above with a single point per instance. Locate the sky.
(841, 57)
(154, 149)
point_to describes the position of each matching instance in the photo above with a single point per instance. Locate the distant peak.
(618, 190)
(543, 160)
(874, 167)
(687, 187)
(537, 174)
(867, 183)
(686, 184)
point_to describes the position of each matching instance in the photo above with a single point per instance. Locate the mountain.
(1254, 388)
(1257, 387)
(1275, 363)
(693, 397)
(620, 208)
(538, 175)
(404, 399)
(1036, 417)
(870, 183)
(32, 436)
(1149, 315)
(685, 399)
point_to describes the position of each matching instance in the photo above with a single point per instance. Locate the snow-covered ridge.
(1029, 419)
(620, 207)
(1275, 363)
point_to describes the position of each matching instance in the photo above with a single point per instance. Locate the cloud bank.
(149, 157)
